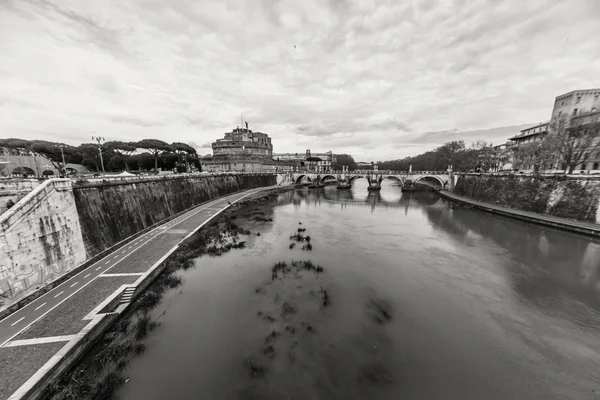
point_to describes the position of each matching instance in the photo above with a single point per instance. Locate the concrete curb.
(539, 219)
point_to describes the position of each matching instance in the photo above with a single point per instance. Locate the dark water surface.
(426, 302)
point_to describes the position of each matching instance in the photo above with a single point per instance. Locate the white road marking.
(17, 321)
(74, 284)
(38, 307)
(121, 274)
(107, 262)
(48, 339)
(59, 294)
(98, 268)
(86, 275)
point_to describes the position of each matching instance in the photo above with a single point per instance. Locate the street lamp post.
(62, 153)
(99, 140)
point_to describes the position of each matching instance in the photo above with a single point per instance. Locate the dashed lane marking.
(59, 294)
(17, 321)
(86, 275)
(76, 283)
(38, 307)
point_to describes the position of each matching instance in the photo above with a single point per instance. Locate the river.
(424, 301)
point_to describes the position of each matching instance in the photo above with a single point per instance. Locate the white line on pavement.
(86, 275)
(38, 307)
(48, 339)
(98, 268)
(59, 294)
(17, 321)
(74, 284)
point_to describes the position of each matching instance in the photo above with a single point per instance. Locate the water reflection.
(544, 264)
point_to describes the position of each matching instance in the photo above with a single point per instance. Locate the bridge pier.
(343, 180)
(374, 182)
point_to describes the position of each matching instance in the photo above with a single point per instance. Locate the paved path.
(543, 219)
(64, 311)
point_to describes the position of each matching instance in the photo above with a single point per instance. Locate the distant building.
(363, 165)
(243, 144)
(532, 134)
(323, 162)
(22, 161)
(571, 104)
(240, 150)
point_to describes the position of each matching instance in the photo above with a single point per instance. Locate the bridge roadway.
(32, 335)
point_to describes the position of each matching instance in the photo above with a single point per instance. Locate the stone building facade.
(243, 143)
(309, 161)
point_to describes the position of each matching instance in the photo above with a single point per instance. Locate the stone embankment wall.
(15, 190)
(566, 197)
(112, 211)
(40, 240)
(60, 225)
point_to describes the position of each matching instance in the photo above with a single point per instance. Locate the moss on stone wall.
(577, 199)
(109, 213)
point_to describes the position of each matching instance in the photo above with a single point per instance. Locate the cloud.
(378, 79)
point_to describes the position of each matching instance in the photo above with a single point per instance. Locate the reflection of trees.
(543, 263)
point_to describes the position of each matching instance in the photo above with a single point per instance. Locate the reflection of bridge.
(374, 178)
(374, 199)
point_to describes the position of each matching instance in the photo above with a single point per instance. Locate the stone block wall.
(40, 240)
(566, 197)
(15, 190)
(112, 211)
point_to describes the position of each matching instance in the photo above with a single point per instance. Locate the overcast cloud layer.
(377, 79)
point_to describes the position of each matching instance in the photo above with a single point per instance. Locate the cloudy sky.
(376, 79)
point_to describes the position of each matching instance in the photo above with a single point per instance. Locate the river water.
(424, 302)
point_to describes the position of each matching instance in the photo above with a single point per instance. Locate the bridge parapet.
(445, 179)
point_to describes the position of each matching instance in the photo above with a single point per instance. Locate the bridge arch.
(437, 178)
(23, 170)
(394, 178)
(299, 178)
(328, 176)
(354, 177)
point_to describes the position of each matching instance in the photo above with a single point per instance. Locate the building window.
(583, 166)
(562, 103)
(575, 111)
(578, 99)
(595, 166)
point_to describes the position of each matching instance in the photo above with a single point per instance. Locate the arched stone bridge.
(442, 179)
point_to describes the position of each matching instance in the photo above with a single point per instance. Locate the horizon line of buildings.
(579, 108)
(245, 150)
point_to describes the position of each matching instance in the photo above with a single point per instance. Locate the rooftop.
(576, 91)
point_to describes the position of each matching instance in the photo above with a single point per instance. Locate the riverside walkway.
(586, 228)
(35, 338)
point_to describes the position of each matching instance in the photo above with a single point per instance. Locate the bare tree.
(575, 140)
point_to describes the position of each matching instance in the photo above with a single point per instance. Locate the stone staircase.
(127, 295)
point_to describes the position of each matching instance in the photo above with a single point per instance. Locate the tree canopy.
(345, 160)
(479, 156)
(155, 147)
(183, 147)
